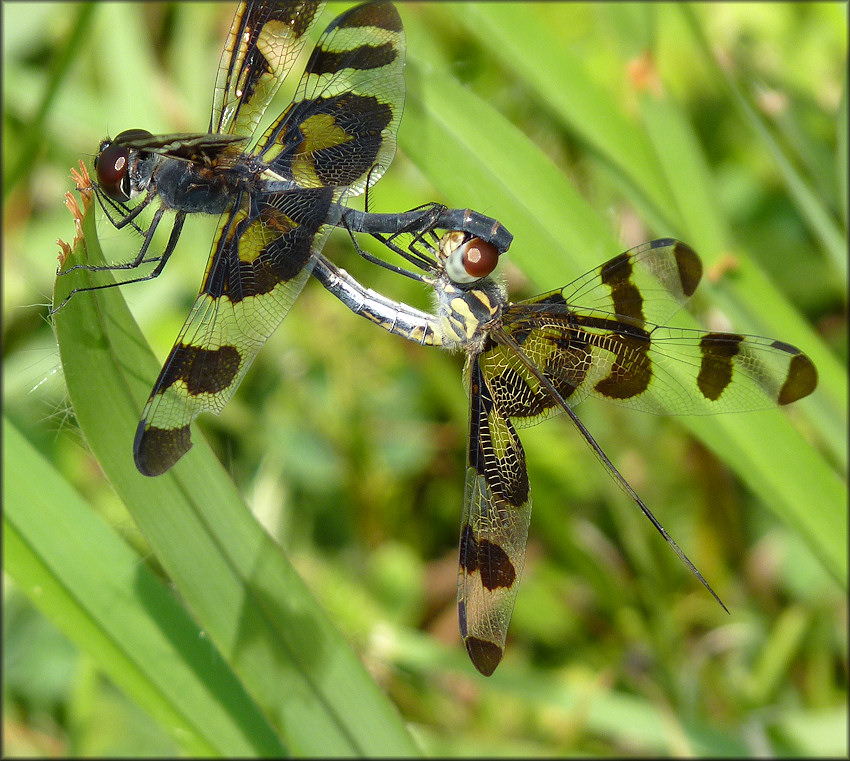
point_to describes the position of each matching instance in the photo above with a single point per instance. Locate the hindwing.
(594, 337)
(494, 527)
(262, 257)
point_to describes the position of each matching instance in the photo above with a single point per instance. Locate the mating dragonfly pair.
(280, 195)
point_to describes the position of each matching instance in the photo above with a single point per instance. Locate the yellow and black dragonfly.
(601, 336)
(278, 195)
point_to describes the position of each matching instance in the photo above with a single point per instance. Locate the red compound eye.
(468, 260)
(479, 258)
(113, 176)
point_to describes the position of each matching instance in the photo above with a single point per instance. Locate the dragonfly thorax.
(467, 315)
(188, 187)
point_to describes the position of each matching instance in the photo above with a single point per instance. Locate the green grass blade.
(841, 153)
(96, 590)
(485, 163)
(60, 71)
(811, 209)
(529, 42)
(233, 577)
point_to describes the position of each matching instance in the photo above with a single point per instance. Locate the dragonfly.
(278, 195)
(599, 336)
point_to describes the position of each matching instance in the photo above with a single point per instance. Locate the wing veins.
(503, 338)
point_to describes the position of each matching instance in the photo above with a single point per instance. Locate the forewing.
(340, 130)
(265, 39)
(494, 528)
(647, 283)
(593, 338)
(262, 256)
(189, 146)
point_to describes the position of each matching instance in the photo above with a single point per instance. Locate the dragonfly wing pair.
(338, 133)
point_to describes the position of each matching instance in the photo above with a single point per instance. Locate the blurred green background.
(585, 129)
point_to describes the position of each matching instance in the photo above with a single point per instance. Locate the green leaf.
(814, 212)
(234, 579)
(96, 590)
(841, 153)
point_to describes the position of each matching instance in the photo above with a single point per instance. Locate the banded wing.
(647, 283)
(341, 128)
(256, 271)
(264, 41)
(197, 147)
(265, 246)
(496, 516)
(594, 337)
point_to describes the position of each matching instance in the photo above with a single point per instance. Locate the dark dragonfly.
(278, 195)
(599, 336)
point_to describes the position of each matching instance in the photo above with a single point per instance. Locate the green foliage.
(585, 129)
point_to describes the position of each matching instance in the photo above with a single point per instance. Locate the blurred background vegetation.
(348, 444)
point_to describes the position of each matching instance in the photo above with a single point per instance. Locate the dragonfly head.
(113, 163)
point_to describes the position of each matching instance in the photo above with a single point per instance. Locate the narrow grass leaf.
(98, 592)
(811, 209)
(233, 577)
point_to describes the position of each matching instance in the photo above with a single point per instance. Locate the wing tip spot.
(801, 381)
(156, 450)
(485, 655)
